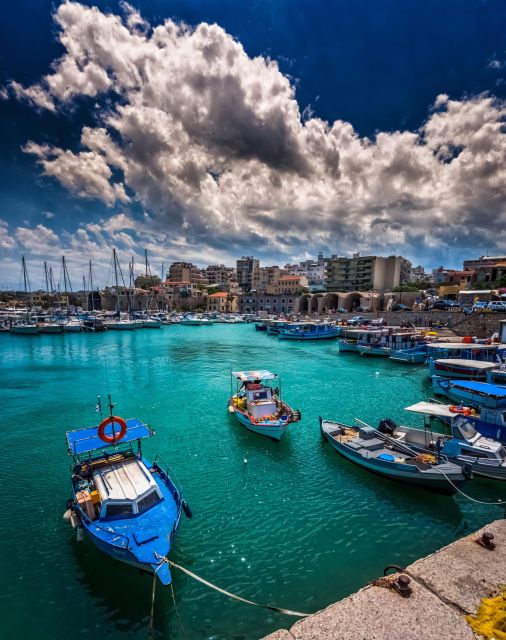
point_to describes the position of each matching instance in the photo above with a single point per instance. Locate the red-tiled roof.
(290, 278)
(219, 294)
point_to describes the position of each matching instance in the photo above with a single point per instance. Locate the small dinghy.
(129, 507)
(258, 406)
(377, 452)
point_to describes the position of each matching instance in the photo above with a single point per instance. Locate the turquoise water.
(295, 525)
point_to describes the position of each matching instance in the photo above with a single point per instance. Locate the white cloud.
(211, 142)
(6, 240)
(39, 241)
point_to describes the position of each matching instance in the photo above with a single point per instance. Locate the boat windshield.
(466, 430)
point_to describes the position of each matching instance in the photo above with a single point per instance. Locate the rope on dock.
(287, 612)
(501, 503)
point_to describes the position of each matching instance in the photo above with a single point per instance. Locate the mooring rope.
(151, 615)
(500, 503)
(287, 612)
(177, 610)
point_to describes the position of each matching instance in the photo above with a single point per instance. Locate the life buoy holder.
(117, 436)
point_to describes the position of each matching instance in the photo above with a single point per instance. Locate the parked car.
(480, 306)
(357, 320)
(497, 305)
(446, 305)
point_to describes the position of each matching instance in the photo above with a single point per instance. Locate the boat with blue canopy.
(258, 406)
(486, 400)
(129, 507)
(310, 331)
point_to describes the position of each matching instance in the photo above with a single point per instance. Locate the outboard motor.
(387, 426)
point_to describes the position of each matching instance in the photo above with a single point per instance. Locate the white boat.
(24, 329)
(50, 327)
(121, 325)
(72, 326)
(258, 406)
(196, 320)
(151, 323)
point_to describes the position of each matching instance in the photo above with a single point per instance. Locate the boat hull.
(287, 335)
(51, 328)
(121, 326)
(379, 352)
(274, 429)
(25, 330)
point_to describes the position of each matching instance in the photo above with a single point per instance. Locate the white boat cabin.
(260, 401)
(126, 488)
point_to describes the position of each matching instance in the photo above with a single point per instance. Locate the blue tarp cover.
(481, 387)
(84, 440)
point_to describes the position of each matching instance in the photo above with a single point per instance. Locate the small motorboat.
(464, 445)
(129, 507)
(309, 331)
(388, 457)
(258, 406)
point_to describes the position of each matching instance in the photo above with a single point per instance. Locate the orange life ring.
(117, 436)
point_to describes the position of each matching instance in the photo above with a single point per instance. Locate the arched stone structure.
(315, 303)
(304, 304)
(328, 302)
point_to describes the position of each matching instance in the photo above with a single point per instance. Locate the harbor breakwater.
(447, 588)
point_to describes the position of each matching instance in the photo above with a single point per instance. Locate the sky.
(206, 130)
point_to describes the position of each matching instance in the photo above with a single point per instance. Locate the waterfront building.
(291, 285)
(487, 268)
(313, 270)
(220, 275)
(366, 273)
(453, 277)
(246, 272)
(186, 272)
(268, 304)
(222, 302)
(264, 277)
(181, 295)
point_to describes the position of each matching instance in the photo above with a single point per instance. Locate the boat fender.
(186, 508)
(80, 534)
(117, 436)
(68, 514)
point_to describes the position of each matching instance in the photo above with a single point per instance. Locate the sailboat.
(117, 323)
(25, 327)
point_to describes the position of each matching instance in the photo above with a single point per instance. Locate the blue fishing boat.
(309, 331)
(258, 406)
(412, 355)
(129, 507)
(377, 452)
(483, 403)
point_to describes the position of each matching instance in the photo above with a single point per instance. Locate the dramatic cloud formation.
(212, 144)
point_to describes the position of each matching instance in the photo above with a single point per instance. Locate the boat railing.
(92, 523)
(165, 469)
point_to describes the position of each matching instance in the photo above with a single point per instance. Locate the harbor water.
(290, 524)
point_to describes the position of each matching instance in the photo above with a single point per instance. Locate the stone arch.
(329, 301)
(351, 301)
(305, 304)
(315, 303)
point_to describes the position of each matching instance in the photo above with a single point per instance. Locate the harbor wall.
(446, 586)
(481, 325)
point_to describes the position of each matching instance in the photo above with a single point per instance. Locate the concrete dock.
(446, 586)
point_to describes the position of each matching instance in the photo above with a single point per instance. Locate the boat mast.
(90, 283)
(48, 292)
(85, 294)
(26, 281)
(115, 263)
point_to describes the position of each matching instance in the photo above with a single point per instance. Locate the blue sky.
(343, 146)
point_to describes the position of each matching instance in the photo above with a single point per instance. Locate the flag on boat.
(98, 406)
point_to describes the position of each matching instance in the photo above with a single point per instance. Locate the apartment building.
(366, 273)
(247, 267)
(186, 272)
